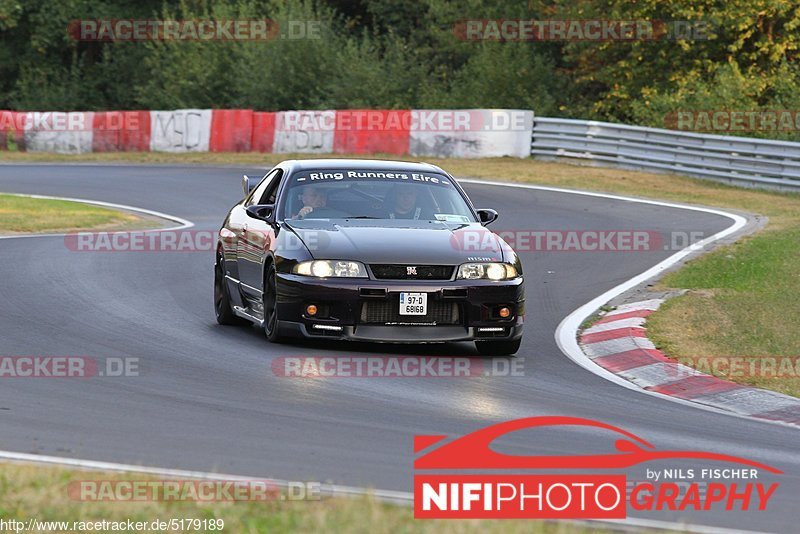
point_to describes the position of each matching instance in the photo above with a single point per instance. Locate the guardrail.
(736, 160)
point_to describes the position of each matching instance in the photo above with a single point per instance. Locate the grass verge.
(744, 299)
(739, 319)
(41, 492)
(35, 215)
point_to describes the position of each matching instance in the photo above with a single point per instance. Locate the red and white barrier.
(304, 131)
(263, 135)
(121, 131)
(473, 133)
(231, 130)
(59, 132)
(372, 131)
(182, 130)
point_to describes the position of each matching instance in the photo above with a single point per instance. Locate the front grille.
(388, 312)
(401, 272)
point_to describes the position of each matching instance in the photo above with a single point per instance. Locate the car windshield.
(365, 194)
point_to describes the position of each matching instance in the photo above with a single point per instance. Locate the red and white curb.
(618, 343)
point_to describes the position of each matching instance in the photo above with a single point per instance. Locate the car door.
(256, 235)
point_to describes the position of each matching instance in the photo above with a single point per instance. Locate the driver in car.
(405, 203)
(312, 198)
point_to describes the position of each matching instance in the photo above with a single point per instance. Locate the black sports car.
(367, 250)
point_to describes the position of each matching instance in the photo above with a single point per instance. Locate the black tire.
(222, 298)
(498, 348)
(270, 306)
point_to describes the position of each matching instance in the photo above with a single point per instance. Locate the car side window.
(270, 195)
(259, 192)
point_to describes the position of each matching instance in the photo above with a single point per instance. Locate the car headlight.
(487, 271)
(331, 268)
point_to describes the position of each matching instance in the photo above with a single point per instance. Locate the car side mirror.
(249, 183)
(264, 212)
(487, 216)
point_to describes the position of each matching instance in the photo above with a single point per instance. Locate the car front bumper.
(366, 310)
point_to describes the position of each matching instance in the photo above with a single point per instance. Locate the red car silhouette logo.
(473, 451)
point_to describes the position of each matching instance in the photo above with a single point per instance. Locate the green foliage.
(291, 73)
(405, 54)
(727, 88)
(369, 74)
(501, 75)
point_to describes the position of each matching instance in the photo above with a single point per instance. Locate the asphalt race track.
(207, 399)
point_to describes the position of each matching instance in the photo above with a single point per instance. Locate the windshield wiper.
(363, 217)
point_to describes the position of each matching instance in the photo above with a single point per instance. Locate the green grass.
(764, 264)
(34, 491)
(742, 305)
(32, 215)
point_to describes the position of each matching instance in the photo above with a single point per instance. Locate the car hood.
(393, 241)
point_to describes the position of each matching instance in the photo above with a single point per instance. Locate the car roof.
(358, 164)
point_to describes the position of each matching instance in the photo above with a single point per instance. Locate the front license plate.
(413, 303)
